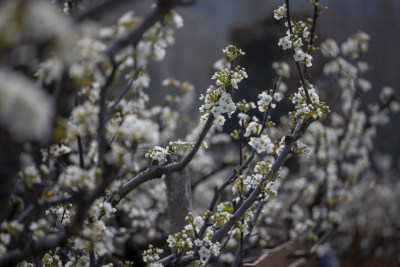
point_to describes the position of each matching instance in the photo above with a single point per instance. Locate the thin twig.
(312, 34)
(80, 152)
(101, 127)
(220, 168)
(124, 91)
(239, 253)
(297, 63)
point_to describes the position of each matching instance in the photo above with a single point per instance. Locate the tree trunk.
(179, 198)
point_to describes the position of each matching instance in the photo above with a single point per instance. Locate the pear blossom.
(265, 101)
(299, 55)
(261, 144)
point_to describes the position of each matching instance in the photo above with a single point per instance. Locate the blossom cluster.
(229, 78)
(232, 52)
(244, 118)
(280, 12)
(151, 255)
(293, 39)
(262, 144)
(217, 99)
(306, 110)
(262, 171)
(84, 119)
(187, 240)
(266, 99)
(39, 228)
(135, 129)
(61, 214)
(158, 154)
(175, 147)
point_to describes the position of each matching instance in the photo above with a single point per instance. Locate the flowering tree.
(95, 174)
